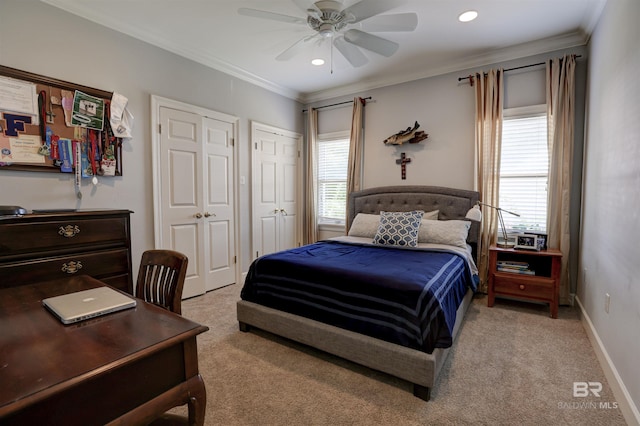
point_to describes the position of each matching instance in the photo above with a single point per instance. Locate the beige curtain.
(354, 173)
(311, 217)
(488, 140)
(560, 119)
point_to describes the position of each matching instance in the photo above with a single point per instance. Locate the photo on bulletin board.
(50, 125)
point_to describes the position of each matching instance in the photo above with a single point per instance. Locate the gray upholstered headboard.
(452, 203)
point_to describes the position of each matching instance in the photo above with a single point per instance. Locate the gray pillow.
(451, 232)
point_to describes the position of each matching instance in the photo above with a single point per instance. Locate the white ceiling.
(213, 33)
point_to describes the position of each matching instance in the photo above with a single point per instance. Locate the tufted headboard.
(452, 203)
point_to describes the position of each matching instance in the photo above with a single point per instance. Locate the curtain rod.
(339, 103)
(512, 69)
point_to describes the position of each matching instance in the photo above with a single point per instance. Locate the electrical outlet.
(607, 302)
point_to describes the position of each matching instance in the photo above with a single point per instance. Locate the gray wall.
(609, 251)
(91, 55)
(445, 109)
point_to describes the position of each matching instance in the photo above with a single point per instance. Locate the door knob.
(207, 214)
(283, 211)
(198, 215)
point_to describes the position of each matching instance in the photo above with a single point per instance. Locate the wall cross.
(403, 160)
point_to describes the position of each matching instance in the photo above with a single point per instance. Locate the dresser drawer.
(533, 288)
(98, 264)
(19, 238)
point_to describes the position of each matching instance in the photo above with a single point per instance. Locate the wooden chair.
(161, 278)
(160, 281)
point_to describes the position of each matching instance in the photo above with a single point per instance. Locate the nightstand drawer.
(523, 286)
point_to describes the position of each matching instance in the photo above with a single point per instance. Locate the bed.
(287, 294)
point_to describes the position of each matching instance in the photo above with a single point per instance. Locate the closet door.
(219, 213)
(194, 194)
(276, 184)
(181, 192)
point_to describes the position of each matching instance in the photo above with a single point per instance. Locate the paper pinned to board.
(121, 118)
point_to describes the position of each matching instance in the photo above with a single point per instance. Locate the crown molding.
(488, 57)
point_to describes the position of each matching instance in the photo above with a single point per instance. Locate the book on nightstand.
(514, 267)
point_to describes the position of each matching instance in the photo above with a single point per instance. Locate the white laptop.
(82, 305)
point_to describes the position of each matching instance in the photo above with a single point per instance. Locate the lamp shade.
(474, 214)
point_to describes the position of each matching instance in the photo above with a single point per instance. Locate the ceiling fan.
(349, 29)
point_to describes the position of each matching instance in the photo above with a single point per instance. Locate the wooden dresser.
(46, 246)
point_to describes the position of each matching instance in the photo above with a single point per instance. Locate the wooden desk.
(123, 368)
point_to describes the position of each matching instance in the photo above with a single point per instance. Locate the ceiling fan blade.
(371, 42)
(295, 48)
(389, 23)
(350, 52)
(367, 8)
(255, 13)
(308, 7)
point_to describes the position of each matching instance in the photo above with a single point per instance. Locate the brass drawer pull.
(521, 286)
(69, 231)
(72, 267)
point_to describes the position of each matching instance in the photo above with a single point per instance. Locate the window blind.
(333, 156)
(524, 169)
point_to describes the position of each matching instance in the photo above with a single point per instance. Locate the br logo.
(583, 389)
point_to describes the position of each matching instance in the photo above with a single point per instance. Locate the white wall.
(609, 250)
(41, 39)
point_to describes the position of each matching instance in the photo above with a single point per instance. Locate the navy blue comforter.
(408, 297)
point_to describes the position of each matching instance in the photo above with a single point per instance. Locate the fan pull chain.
(331, 55)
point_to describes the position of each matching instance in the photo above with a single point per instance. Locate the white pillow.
(398, 228)
(451, 232)
(366, 225)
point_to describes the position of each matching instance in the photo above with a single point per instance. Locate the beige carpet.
(511, 364)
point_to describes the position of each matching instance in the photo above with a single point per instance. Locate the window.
(333, 157)
(524, 169)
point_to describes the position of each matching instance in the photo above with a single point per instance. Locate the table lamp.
(475, 215)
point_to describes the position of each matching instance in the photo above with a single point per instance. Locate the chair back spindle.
(161, 278)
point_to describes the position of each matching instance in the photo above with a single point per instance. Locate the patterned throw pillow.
(366, 225)
(399, 228)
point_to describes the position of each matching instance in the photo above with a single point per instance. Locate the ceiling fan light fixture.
(326, 30)
(317, 62)
(468, 16)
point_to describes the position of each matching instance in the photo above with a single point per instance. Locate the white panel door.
(197, 196)
(219, 213)
(276, 186)
(265, 191)
(288, 183)
(181, 187)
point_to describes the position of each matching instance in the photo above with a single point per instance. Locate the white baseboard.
(625, 403)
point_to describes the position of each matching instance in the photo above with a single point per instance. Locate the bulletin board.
(50, 125)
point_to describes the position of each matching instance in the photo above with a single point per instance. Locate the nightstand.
(525, 274)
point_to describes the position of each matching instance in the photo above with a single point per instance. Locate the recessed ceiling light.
(468, 16)
(317, 62)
